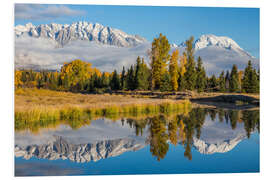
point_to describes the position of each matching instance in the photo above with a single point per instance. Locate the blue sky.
(177, 23)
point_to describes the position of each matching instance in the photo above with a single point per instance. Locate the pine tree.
(201, 76)
(222, 82)
(227, 81)
(159, 56)
(255, 84)
(130, 79)
(190, 74)
(212, 83)
(234, 80)
(123, 81)
(250, 80)
(142, 76)
(115, 82)
(173, 69)
(166, 84)
(105, 80)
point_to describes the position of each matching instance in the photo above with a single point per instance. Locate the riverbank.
(29, 99)
(46, 105)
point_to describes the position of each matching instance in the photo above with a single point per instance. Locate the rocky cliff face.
(59, 148)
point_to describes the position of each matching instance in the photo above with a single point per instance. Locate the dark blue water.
(218, 145)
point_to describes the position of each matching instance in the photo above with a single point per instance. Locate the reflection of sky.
(243, 158)
(215, 132)
(98, 130)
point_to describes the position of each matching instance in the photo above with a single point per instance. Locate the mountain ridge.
(64, 33)
(48, 46)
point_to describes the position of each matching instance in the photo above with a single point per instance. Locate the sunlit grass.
(44, 108)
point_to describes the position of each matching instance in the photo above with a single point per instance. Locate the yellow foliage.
(173, 69)
(18, 82)
(183, 62)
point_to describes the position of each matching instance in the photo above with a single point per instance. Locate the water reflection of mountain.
(209, 131)
(100, 140)
(59, 148)
(220, 147)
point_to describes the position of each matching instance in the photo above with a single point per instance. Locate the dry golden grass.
(29, 99)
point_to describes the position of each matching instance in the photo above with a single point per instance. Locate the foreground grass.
(46, 108)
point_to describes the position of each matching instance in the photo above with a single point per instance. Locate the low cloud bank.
(38, 53)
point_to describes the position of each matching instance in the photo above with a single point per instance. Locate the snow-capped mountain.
(59, 148)
(220, 53)
(48, 46)
(222, 42)
(212, 40)
(220, 147)
(63, 34)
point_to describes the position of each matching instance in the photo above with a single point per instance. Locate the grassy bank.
(48, 107)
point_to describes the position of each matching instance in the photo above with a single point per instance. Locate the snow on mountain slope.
(212, 40)
(218, 137)
(49, 46)
(63, 34)
(220, 53)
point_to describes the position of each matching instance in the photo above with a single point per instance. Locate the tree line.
(166, 72)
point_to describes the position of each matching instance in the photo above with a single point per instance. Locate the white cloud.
(41, 53)
(44, 12)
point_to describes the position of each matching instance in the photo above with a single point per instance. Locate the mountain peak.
(211, 40)
(80, 30)
(218, 41)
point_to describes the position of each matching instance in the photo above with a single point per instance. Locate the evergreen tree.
(250, 80)
(190, 74)
(166, 84)
(212, 83)
(142, 75)
(123, 81)
(105, 80)
(115, 82)
(130, 79)
(173, 69)
(234, 80)
(255, 84)
(201, 76)
(222, 82)
(227, 81)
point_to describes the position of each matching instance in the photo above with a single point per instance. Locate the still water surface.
(201, 141)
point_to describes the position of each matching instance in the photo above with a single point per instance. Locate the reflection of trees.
(193, 123)
(233, 116)
(158, 137)
(212, 113)
(221, 115)
(172, 130)
(182, 128)
(176, 128)
(251, 121)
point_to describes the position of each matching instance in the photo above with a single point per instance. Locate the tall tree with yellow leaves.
(182, 70)
(173, 69)
(159, 56)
